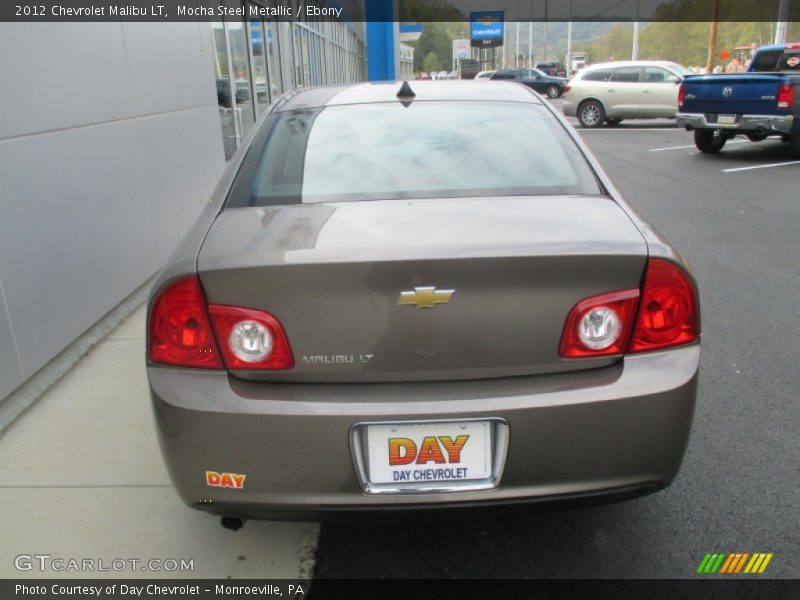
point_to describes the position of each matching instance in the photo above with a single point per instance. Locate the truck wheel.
(553, 91)
(705, 142)
(591, 114)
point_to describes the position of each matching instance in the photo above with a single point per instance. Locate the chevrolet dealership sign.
(486, 29)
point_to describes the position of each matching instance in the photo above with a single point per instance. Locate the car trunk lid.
(334, 275)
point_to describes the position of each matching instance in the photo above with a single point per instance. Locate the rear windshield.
(776, 60)
(423, 150)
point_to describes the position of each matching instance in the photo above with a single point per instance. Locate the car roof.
(375, 92)
(778, 47)
(630, 63)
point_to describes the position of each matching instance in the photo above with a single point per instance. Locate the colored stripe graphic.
(723, 563)
(735, 562)
(703, 563)
(758, 563)
(741, 562)
(711, 562)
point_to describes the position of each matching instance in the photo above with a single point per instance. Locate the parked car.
(485, 75)
(224, 92)
(760, 103)
(611, 92)
(552, 68)
(242, 90)
(553, 87)
(476, 317)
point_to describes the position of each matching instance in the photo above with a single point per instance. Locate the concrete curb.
(26, 394)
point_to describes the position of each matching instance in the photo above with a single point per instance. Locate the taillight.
(786, 96)
(180, 332)
(681, 94)
(664, 314)
(668, 310)
(600, 325)
(567, 88)
(250, 339)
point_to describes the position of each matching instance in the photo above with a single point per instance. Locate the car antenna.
(406, 93)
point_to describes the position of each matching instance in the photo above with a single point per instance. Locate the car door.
(660, 94)
(533, 79)
(624, 93)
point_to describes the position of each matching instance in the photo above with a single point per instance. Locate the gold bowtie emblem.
(425, 297)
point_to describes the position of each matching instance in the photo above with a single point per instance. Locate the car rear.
(589, 84)
(762, 102)
(419, 300)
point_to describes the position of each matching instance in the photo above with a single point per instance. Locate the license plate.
(410, 455)
(726, 120)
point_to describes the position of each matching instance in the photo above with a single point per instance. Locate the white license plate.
(419, 454)
(726, 120)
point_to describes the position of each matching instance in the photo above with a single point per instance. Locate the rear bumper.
(617, 429)
(746, 123)
(569, 107)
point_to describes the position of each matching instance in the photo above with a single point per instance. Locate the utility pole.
(505, 40)
(780, 26)
(530, 38)
(545, 30)
(712, 37)
(635, 48)
(516, 53)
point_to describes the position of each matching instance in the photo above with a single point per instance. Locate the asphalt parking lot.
(736, 218)
(97, 486)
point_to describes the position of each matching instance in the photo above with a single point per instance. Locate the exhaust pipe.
(232, 523)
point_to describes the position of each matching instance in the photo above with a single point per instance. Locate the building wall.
(256, 61)
(109, 144)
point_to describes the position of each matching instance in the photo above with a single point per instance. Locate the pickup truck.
(762, 102)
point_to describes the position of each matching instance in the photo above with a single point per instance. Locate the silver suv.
(611, 92)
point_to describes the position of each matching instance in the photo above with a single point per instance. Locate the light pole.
(545, 30)
(780, 26)
(516, 53)
(530, 38)
(635, 45)
(568, 66)
(505, 41)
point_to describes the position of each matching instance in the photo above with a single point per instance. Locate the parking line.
(693, 146)
(623, 129)
(780, 164)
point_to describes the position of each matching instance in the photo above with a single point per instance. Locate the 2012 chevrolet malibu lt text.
(416, 296)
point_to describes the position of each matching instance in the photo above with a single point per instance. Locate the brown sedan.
(424, 295)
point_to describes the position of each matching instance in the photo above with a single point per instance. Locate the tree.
(437, 38)
(431, 63)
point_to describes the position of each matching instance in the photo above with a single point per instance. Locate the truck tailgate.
(741, 93)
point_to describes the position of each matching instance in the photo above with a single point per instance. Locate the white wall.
(109, 144)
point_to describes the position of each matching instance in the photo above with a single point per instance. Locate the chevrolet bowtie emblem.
(425, 297)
